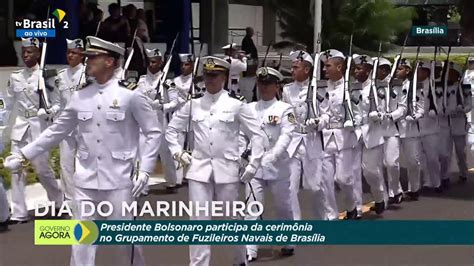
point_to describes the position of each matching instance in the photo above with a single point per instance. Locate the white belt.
(32, 113)
(335, 125)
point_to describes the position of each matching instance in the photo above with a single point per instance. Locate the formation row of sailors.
(102, 128)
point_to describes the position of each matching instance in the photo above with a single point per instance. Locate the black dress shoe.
(398, 198)
(286, 252)
(462, 179)
(438, 190)
(413, 195)
(3, 226)
(13, 222)
(171, 190)
(379, 207)
(351, 215)
(445, 183)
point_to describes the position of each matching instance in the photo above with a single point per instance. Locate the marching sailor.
(368, 116)
(70, 79)
(395, 109)
(147, 85)
(108, 117)
(339, 141)
(294, 93)
(31, 120)
(216, 119)
(278, 123)
(408, 129)
(238, 64)
(429, 126)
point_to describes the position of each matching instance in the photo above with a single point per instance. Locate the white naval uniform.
(453, 130)
(273, 118)
(469, 79)
(237, 66)
(4, 115)
(68, 82)
(108, 118)
(295, 94)
(183, 83)
(22, 93)
(397, 107)
(339, 143)
(429, 129)
(372, 139)
(410, 139)
(213, 174)
(147, 85)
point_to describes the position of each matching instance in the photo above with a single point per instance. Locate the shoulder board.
(127, 84)
(62, 70)
(83, 85)
(238, 97)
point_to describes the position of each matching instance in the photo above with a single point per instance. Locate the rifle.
(432, 87)
(43, 96)
(348, 115)
(311, 101)
(254, 97)
(411, 99)
(373, 97)
(162, 86)
(129, 57)
(189, 135)
(83, 78)
(395, 66)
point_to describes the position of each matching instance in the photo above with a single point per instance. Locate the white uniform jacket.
(216, 120)
(108, 118)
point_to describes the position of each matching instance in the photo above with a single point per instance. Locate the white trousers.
(412, 152)
(446, 141)
(280, 189)
(85, 254)
(46, 177)
(246, 85)
(338, 166)
(357, 168)
(372, 167)
(430, 149)
(295, 184)
(67, 154)
(392, 163)
(200, 192)
(4, 211)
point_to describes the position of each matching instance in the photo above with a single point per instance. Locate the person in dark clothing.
(115, 28)
(247, 43)
(130, 12)
(249, 47)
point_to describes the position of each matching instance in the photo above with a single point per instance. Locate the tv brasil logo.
(67, 232)
(28, 28)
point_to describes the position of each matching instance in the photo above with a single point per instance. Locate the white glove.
(14, 161)
(432, 113)
(313, 122)
(248, 174)
(268, 160)
(43, 114)
(387, 116)
(409, 118)
(184, 158)
(140, 182)
(375, 116)
(157, 105)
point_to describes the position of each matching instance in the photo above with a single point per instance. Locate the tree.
(370, 22)
(466, 7)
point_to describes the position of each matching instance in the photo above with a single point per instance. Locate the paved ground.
(16, 246)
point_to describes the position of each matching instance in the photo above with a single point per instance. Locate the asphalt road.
(16, 245)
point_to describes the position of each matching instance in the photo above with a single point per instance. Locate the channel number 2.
(66, 25)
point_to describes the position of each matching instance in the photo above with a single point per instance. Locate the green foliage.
(31, 176)
(370, 22)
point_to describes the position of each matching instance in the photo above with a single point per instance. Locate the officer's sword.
(137, 170)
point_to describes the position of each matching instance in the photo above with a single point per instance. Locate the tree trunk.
(466, 8)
